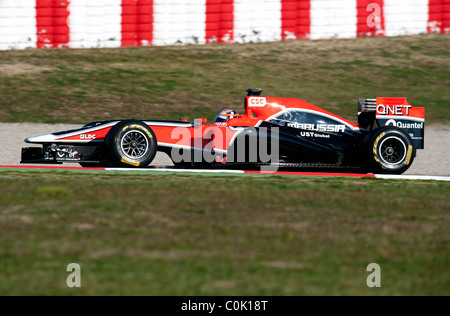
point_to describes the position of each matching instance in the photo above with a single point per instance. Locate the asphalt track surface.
(432, 161)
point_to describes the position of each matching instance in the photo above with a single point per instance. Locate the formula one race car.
(278, 132)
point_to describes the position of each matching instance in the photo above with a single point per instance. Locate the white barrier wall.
(257, 21)
(179, 22)
(17, 24)
(113, 23)
(95, 23)
(405, 17)
(333, 19)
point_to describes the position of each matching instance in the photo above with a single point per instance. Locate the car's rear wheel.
(131, 144)
(390, 150)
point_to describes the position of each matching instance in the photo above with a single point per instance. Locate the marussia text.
(319, 127)
(229, 305)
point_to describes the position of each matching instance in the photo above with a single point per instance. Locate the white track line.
(412, 177)
(378, 176)
(177, 170)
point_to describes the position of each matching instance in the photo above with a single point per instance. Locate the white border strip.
(411, 177)
(206, 171)
(179, 170)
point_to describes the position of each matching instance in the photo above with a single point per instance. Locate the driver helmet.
(225, 115)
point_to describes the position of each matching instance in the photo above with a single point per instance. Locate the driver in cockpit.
(225, 115)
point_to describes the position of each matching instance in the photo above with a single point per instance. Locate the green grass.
(81, 85)
(195, 235)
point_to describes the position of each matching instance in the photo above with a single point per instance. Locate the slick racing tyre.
(390, 150)
(130, 143)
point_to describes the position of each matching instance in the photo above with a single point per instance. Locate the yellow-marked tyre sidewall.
(113, 144)
(380, 165)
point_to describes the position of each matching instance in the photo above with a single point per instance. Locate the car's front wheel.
(131, 144)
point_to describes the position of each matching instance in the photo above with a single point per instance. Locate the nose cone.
(40, 139)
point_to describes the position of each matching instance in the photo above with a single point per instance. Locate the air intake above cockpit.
(254, 92)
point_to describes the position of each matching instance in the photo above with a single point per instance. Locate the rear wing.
(393, 112)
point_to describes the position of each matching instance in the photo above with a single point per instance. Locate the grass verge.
(194, 235)
(82, 85)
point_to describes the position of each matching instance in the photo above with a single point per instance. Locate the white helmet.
(225, 115)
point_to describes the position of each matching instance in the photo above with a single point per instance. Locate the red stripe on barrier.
(145, 22)
(295, 19)
(446, 16)
(226, 24)
(53, 29)
(303, 19)
(314, 174)
(129, 23)
(370, 18)
(288, 19)
(435, 8)
(137, 22)
(52, 26)
(212, 25)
